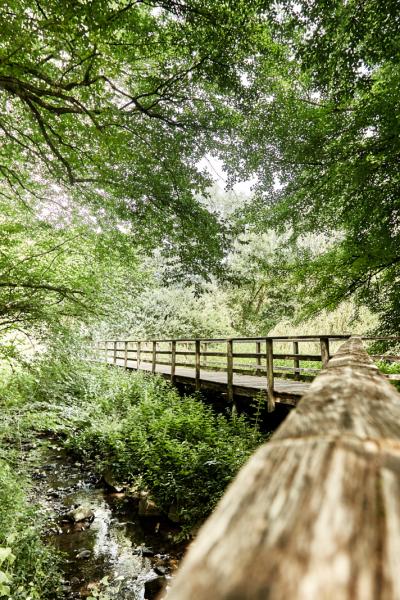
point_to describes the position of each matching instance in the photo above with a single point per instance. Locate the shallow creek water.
(116, 553)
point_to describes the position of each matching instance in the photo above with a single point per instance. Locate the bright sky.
(215, 167)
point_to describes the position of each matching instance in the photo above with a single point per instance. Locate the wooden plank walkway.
(286, 391)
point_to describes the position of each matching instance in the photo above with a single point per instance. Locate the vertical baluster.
(205, 346)
(229, 369)
(296, 361)
(154, 358)
(126, 354)
(270, 374)
(197, 364)
(173, 360)
(258, 359)
(324, 342)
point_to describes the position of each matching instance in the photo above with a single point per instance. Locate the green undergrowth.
(28, 570)
(135, 425)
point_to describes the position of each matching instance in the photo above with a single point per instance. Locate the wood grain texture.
(315, 513)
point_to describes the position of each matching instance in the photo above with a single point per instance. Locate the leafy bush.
(135, 424)
(182, 451)
(27, 568)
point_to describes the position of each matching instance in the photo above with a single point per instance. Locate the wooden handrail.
(315, 513)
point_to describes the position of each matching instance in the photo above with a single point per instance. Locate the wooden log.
(270, 375)
(315, 513)
(197, 365)
(173, 360)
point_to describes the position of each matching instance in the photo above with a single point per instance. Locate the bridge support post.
(197, 365)
(270, 375)
(173, 360)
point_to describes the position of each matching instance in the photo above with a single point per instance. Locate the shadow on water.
(117, 552)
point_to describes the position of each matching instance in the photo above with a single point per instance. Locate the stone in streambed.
(81, 513)
(111, 482)
(83, 554)
(147, 506)
(153, 587)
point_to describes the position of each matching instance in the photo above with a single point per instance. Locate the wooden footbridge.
(315, 513)
(281, 367)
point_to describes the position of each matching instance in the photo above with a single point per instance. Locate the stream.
(114, 551)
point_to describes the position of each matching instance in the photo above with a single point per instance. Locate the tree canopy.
(108, 108)
(325, 127)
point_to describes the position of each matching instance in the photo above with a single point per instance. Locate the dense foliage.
(137, 426)
(330, 140)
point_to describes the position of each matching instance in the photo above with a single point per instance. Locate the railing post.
(154, 358)
(138, 344)
(106, 351)
(324, 351)
(126, 354)
(173, 360)
(296, 361)
(115, 353)
(197, 365)
(229, 369)
(205, 346)
(269, 355)
(258, 359)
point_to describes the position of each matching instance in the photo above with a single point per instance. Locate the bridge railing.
(263, 356)
(297, 357)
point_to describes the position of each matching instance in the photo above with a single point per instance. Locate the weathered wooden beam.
(315, 513)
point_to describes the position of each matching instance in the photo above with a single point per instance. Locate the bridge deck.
(286, 391)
